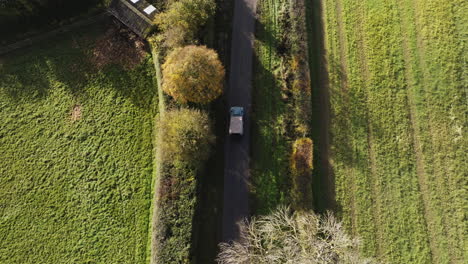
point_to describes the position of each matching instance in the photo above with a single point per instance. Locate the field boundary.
(157, 164)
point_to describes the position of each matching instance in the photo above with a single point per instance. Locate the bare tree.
(292, 237)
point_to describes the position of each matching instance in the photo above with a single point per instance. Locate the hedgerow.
(180, 167)
(282, 103)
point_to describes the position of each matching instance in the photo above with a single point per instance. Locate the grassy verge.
(281, 98)
(397, 122)
(76, 147)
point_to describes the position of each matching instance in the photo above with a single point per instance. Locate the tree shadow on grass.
(323, 175)
(270, 182)
(29, 74)
(270, 178)
(328, 92)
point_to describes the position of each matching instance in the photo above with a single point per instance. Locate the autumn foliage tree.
(186, 136)
(193, 74)
(183, 19)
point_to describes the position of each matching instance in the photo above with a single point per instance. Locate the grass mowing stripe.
(343, 64)
(403, 224)
(363, 150)
(444, 103)
(433, 215)
(350, 153)
(337, 85)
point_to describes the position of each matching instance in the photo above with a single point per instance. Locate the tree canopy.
(287, 237)
(193, 74)
(183, 19)
(186, 136)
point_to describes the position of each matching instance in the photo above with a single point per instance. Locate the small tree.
(286, 237)
(193, 74)
(182, 20)
(185, 136)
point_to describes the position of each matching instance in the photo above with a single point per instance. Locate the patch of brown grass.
(76, 113)
(118, 46)
(301, 170)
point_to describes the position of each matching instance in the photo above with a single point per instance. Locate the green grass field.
(398, 127)
(75, 155)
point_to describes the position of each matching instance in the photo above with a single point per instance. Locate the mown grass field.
(397, 81)
(75, 155)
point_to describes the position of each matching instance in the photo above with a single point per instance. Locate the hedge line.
(176, 207)
(176, 187)
(302, 153)
(283, 108)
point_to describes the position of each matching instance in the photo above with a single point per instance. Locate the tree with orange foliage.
(193, 74)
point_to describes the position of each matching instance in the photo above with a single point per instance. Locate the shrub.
(186, 136)
(301, 171)
(182, 20)
(193, 74)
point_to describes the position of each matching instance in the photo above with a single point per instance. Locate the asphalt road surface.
(237, 149)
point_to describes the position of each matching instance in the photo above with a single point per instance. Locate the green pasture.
(75, 155)
(398, 100)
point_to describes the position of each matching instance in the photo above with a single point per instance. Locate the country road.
(237, 150)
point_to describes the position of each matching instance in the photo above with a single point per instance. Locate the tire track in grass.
(433, 220)
(375, 181)
(403, 226)
(437, 43)
(340, 153)
(349, 127)
(372, 175)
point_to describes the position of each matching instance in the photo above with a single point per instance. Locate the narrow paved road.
(237, 150)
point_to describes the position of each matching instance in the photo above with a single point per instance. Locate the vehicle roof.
(236, 125)
(237, 111)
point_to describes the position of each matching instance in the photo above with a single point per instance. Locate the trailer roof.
(138, 15)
